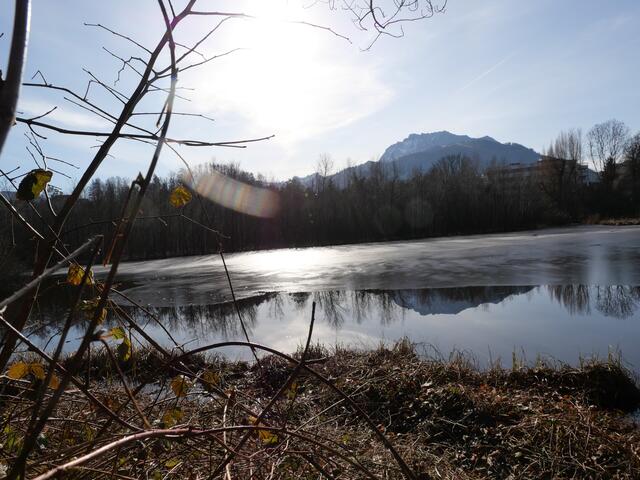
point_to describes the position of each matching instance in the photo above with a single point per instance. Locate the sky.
(518, 71)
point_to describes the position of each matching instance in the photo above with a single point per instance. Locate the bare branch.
(48, 272)
(113, 32)
(133, 136)
(10, 87)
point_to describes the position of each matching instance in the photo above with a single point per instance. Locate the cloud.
(63, 115)
(487, 72)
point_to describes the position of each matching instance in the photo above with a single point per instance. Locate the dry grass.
(598, 220)
(447, 419)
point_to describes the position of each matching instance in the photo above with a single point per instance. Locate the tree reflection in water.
(335, 308)
(330, 305)
(618, 301)
(575, 298)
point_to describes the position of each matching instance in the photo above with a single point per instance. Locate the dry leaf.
(118, 333)
(180, 196)
(266, 436)
(210, 379)
(54, 382)
(292, 391)
(180, 386)
(18, 370)
(75, 274)
(102, 316)
(38, 370)
(171, 417)
(124, 350)
(33, 184)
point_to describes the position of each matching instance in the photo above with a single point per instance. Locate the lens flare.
(238, 196)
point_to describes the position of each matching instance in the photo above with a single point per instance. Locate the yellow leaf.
(171, 463)
(180, 196)
(210, 379)
(118, 333)
(18, 370)
(124, 350)
(88, 304)
(89, 434)
(12, 440)
(42, 178)
(33, 184)
(54, 382)
(180, 386)
(38, 370)
(292, 391)
(171, 417)
(266, 436)
(168, 420)
(75, 274)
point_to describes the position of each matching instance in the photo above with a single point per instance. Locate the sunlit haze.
(519, 72)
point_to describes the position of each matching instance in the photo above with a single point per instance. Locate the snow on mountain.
(420, 152)
(423, 150)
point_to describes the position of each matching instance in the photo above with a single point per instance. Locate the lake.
(557, 294)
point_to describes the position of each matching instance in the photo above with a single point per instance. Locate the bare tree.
(559, 169)
(567, 145)
(324, 169)
(606, 142)
(155, 70)
(386, 17)
(632, 170)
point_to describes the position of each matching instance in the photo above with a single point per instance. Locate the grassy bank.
(612, 221)
(446, 419)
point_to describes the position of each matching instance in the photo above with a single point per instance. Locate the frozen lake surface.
(592, 255)
(560, 294)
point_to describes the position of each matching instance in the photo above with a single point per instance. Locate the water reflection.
(618, 301)
(562, 321)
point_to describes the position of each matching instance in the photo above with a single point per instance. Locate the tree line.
(455, 196)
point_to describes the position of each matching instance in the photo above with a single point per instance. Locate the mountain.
(420, 152)
(416, 142)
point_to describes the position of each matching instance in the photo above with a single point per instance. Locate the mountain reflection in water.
(563, 322)
(336, 307)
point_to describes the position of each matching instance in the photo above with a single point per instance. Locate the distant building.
(54, 191)
(541, 172)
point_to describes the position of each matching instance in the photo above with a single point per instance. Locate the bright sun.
(291, 79)
(280, 71)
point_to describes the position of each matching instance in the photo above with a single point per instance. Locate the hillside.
(419, 152)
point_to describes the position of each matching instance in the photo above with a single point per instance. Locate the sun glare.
(290, 79)
(280, 73)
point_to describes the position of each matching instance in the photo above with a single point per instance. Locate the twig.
(114, 361)
(385, 441)
(48, 272)
(178, 433)
(275, 397)
(113, 32)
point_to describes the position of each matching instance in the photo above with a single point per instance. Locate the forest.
(454, 197)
